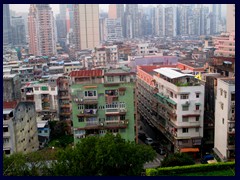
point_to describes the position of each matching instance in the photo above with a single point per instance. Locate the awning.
(171, 101)
(185, 150)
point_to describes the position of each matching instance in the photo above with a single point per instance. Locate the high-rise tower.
(6, 25)
(86, 26)
(42, 37)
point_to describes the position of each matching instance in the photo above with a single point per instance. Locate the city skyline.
(102, 7)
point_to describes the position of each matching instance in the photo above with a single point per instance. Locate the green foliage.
(93, 156)
(177, 159)
(200, 169)
(62, 141)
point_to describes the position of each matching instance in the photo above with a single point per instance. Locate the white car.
(149, 141)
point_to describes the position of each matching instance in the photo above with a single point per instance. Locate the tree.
(177, 159)
(103, 156)
(93, 156)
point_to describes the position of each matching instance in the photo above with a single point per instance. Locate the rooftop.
(230, 81)
(86, 73)
(171, 73)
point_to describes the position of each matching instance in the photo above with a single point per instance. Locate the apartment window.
(222, 120)
(185, 119)
(184, 130)
(221, 91)
(171, 94)
(110, 78)
(184, 96)
(221, 104)
(5, 140)
(39, 131)
(233, 97)
(7, 152)
(36, 88)
(53, 89)
(45, 131)
(122, 78)
(196, 129)
(90, 93)
(81, 119)
(197, 107)
(197, 118)
(225, 94)
(185, 108)
(80, 106)
(197, 95)
(122, 117)
(233, 111)
(5, 129)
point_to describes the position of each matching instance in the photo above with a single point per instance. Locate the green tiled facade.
(93, 115)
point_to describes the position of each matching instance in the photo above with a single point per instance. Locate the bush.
(177, 159)
(198, 168)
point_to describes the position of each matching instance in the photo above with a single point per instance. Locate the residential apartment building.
(45, 97)
(102, 102)
(41, 28)
(7, 38)
(113, 30)
(230, 18)
(105, 56)
(20, 129)
(173, 103)
(225, 45)
(86, 26)
(224, 141)
(18, 31)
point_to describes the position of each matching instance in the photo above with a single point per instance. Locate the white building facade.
(224, 140)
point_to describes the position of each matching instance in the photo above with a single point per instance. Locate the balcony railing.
(115, 110)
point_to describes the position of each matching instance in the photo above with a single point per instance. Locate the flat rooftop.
(171, 73)
(230, 81)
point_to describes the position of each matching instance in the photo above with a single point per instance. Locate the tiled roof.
(86, 73)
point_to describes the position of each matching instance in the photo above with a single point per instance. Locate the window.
(81, 119)
(36, 88)
(197, 118)
(196, 129)
(184, 96)
(90, 93)
(5, 129)
(221, 91)
(39, 131)
(221, 104)
(197, 95)
(122, 117)
(185, 108)
(45, 131)
(80, 106)
(184, 130)
(52, 88)
(225, 94)
(197, 107)
(233, 97)
(110, 78)
(5, 140)
(171, 94)
(122, 78)
(222, 120)
(185, 119)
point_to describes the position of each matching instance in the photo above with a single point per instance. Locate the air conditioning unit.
(187, 102)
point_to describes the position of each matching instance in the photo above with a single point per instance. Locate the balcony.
(65, 105)
(45, 100)
(65, 113)
(121, 124)
(110, 111)
(88, 113)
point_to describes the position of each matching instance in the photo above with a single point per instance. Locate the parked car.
(142, 136)
(206, 158)
(148, 141)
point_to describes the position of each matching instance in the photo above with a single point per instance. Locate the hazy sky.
(55, 7)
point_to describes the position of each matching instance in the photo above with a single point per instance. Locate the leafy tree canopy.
(93, 156)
